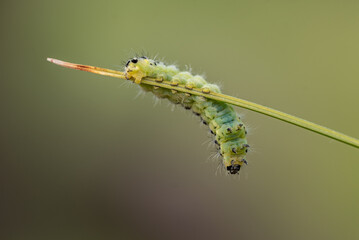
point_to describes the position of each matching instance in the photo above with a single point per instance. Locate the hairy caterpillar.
(223, 121)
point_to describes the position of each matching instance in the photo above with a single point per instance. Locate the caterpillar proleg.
(205, 100)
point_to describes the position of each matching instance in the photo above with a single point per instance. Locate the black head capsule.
(134, 60)
(234, 168)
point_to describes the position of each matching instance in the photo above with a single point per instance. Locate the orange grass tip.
(66, 64)
(87, 68)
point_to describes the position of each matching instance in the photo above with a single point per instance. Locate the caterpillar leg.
(134, 76)
(138, 80)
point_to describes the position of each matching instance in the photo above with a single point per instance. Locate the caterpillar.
(224, 123)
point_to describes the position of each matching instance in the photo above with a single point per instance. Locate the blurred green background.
(81, 158)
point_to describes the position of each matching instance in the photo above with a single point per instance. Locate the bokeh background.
(81, 158)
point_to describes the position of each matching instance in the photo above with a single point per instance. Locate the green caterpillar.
(223, 121)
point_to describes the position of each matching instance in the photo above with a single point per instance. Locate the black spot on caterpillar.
(223, 121)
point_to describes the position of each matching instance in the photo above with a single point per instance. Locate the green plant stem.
(223, 98)
(263, 110)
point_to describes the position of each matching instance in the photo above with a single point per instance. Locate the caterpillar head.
(234, 169)
(138, 68)
(232, 163)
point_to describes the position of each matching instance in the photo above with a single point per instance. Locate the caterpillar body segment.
(224, 123)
